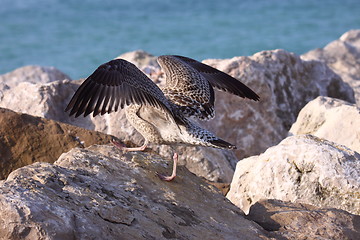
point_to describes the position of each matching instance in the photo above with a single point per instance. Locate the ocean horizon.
(77, 36)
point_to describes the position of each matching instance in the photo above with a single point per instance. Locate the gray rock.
(25, 139)
(97, 193)
(36, 90)
(285, 84)
(301, 168)
(331, 119)
(343, 57)
(30, 74)
(304, 221)
(140, 58)
(46, 100)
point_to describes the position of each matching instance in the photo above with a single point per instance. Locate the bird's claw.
(119, 145)
(165, 178)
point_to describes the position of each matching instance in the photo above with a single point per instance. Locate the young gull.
(161, 116)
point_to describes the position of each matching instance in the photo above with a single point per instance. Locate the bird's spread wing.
(187, 88)
(113, 84)
(221, 80)
(190, 83)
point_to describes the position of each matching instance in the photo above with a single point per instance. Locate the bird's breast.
(169, 131)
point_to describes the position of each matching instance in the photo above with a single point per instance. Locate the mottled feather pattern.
(220, 80)
(190, 107)
(181, 76)
(206, 138)
(186, 87)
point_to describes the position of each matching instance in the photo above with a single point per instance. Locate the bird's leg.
(123, 148)
(173, 175)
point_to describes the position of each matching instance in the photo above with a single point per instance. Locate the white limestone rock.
(301, 168)
(343, 57)
(33, 74)
(97, 193)
(303, 221)
(285, 84)
(47, 100)
(141, 59)
(37, 90)
(332, 119)
(30, 74)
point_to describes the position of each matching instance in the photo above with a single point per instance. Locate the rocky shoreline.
(298, 176)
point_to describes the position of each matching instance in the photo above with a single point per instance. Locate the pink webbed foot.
(173, 175)
(125, 149)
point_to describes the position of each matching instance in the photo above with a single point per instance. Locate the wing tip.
(219, 143)
(255, 97)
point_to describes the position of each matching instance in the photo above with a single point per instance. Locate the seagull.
(161, 116)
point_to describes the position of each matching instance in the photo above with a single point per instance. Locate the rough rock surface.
(301, 168)
(343, 57)
(303, 221)
(25, 139)
(46, 100)
(285, 84)
(141, 59)
(97, 193)
(31, 74)
(331, 119)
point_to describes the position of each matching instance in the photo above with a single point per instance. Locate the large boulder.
(301, 168)
(303, 221)
(39, 91)
(98, 193)
(332, 119)
(25, 139)
(30, 74)
(343, 57)
(285, 84)
(46, 100)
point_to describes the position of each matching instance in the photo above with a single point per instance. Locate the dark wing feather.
(113, 85)
(221, 80)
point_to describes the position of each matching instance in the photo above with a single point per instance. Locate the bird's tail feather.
(219, 143)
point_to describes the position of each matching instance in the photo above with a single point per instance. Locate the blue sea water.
(76, 36)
